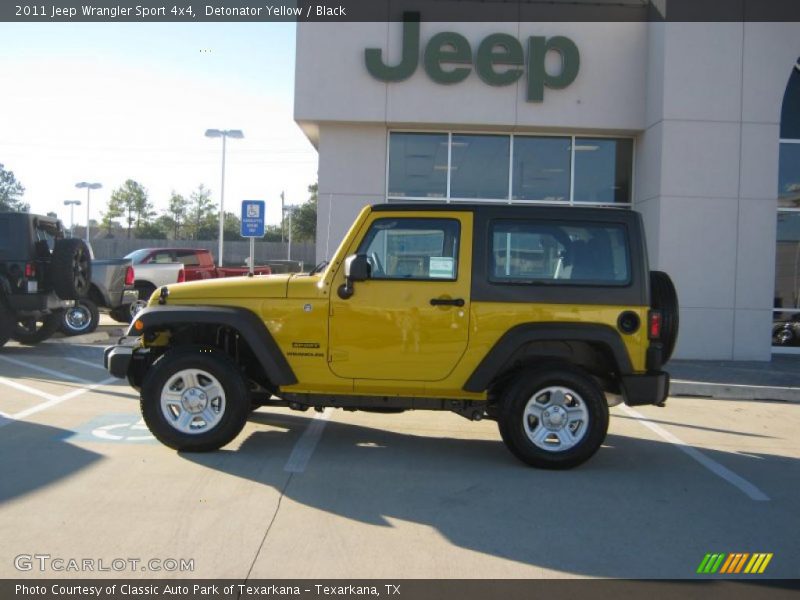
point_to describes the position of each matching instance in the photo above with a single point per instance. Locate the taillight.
(181, 276)
(30, 270)
(129, 276)
(654, 325)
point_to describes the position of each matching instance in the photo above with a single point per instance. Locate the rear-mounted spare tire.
(71, 269)
(664, 298)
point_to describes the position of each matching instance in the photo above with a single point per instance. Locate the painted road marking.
(720, 471)
(86, 363)
(304, 448)
(117, 428)
(51, 400)
(45, 370)
(27, 389)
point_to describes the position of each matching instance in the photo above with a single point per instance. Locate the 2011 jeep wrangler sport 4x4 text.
(536, 317)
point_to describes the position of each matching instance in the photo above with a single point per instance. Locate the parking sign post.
(253, 226)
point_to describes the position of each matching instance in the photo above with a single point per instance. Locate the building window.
(479, 166)
(418, 168)
(603, 170)
(542, 168)
(509, 168)
(786, 314)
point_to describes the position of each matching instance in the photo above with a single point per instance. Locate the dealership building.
(694, 125)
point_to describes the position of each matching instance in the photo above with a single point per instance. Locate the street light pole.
(72, 204)
(89, 187)
(224, 134)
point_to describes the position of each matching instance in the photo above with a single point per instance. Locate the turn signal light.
(30, 270)
(129, 276)
(654, 325)
(138, 325)
(181, 276)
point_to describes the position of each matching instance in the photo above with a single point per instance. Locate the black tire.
(121, 314)
(71, 269)
(84, 317)
(33, 330)
(173, 369)
(6, 325)
(579, 393)
(664, 298)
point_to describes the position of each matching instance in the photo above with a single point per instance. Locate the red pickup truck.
(197, 263)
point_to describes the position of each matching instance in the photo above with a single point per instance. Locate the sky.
(106, 102)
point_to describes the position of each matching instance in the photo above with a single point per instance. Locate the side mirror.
(356, 268)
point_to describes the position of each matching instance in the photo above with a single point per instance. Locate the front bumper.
(651, 388)
(117, 359)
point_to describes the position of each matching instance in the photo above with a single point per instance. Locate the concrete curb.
(733, 391)
(86, 338)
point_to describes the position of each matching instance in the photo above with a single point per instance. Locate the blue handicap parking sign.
(253, 218)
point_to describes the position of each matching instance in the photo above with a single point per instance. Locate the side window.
(559, 253)
(188, 258)
(419, 249)
(161, 257)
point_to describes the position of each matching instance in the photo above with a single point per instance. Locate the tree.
(231, 229)
(152, 231)
(176, 214)
(200, 212)
(131, 201)
(11, 192)
(304, 218)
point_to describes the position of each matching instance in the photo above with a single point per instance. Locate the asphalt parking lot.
(360, 495)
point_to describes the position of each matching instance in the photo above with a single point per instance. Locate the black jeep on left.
(41, 273)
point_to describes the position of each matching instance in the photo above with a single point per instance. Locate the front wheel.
(6, 325)
(553, 418)
(195, 399)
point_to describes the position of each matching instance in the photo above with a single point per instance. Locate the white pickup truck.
(147, 279)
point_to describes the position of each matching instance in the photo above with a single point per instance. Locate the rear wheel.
(145, 290)
(554, 417)
(664, 298)
(195, 399)
(121, 314)
(81, 318)
(32, 330)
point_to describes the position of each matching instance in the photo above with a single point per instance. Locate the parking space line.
(27, 389)
(60, 399)
(86, 363)
(720, 471)
(304, 448)
(45, 370)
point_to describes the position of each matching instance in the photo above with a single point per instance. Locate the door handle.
(447, 302)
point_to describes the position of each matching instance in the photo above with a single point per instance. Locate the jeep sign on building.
(694, 125)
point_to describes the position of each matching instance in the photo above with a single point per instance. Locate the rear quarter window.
(539, 252)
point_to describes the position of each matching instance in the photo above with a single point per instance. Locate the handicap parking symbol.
(116, 428)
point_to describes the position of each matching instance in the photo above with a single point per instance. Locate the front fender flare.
(242, 320)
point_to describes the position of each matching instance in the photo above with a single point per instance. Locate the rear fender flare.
(497, 359)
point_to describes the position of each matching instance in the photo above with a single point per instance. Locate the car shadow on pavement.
(639, 508)
(34, 456)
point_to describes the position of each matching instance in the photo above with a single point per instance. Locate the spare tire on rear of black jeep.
(664, 298)
(71, 269)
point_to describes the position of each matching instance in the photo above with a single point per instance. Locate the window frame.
(572, 283)
(456, 252)
(509, 199)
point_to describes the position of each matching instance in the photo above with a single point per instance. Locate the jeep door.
(409, 320)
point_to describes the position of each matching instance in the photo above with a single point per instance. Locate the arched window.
(786, 323)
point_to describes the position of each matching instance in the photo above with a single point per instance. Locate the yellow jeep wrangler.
(536, 317)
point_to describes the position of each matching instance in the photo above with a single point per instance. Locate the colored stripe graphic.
(734, 563)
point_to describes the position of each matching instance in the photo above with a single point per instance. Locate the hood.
(260, 286)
